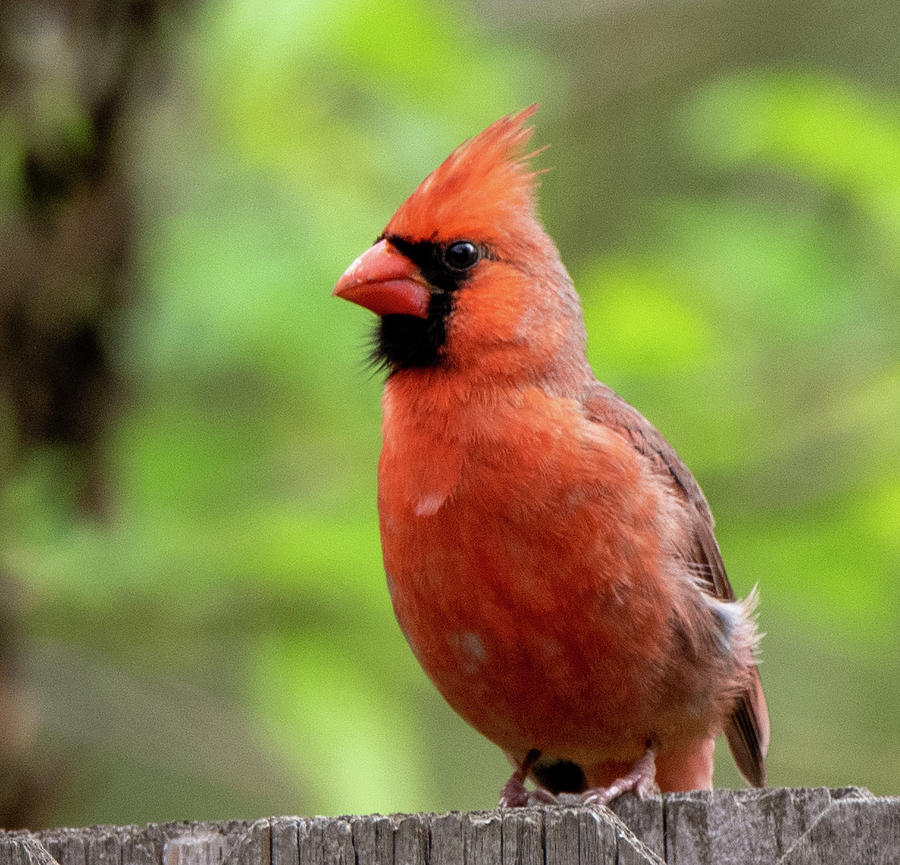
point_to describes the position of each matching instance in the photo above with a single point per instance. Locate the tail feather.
(747, 731)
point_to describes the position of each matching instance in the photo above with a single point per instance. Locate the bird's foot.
(641, 780)
(515, 794)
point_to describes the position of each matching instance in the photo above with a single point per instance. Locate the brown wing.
(747, 729)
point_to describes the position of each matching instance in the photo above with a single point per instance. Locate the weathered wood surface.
(791, 827)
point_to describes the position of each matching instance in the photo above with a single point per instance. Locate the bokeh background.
(193, 621)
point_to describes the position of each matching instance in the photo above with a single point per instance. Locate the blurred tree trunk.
(67, 68)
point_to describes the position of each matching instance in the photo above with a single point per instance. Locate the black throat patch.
(406, 341)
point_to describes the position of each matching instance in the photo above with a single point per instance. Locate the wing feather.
(747, 728)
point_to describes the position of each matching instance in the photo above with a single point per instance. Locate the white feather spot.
(472, 645)
(471, 651)
(736, 632)
(429, 504)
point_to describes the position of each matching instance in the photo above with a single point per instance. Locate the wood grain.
(725, 827)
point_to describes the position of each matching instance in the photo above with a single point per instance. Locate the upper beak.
(385, 281)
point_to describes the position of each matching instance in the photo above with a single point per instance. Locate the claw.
(514, 793)
(521, 798)
(641, 780)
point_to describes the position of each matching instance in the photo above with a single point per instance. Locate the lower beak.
(386, 282)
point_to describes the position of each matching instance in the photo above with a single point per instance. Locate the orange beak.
(386, 282)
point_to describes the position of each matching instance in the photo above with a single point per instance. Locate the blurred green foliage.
(224, 644)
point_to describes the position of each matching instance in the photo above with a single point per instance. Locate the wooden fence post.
(814, 826)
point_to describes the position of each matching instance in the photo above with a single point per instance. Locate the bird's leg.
(514, 794)
(641, 780)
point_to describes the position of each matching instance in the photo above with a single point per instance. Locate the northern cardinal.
(550, 559)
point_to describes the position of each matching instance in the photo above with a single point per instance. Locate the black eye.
(461, 255)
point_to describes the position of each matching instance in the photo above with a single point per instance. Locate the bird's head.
(464, 276)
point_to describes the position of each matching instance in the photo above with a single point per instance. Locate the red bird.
(550, 559)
